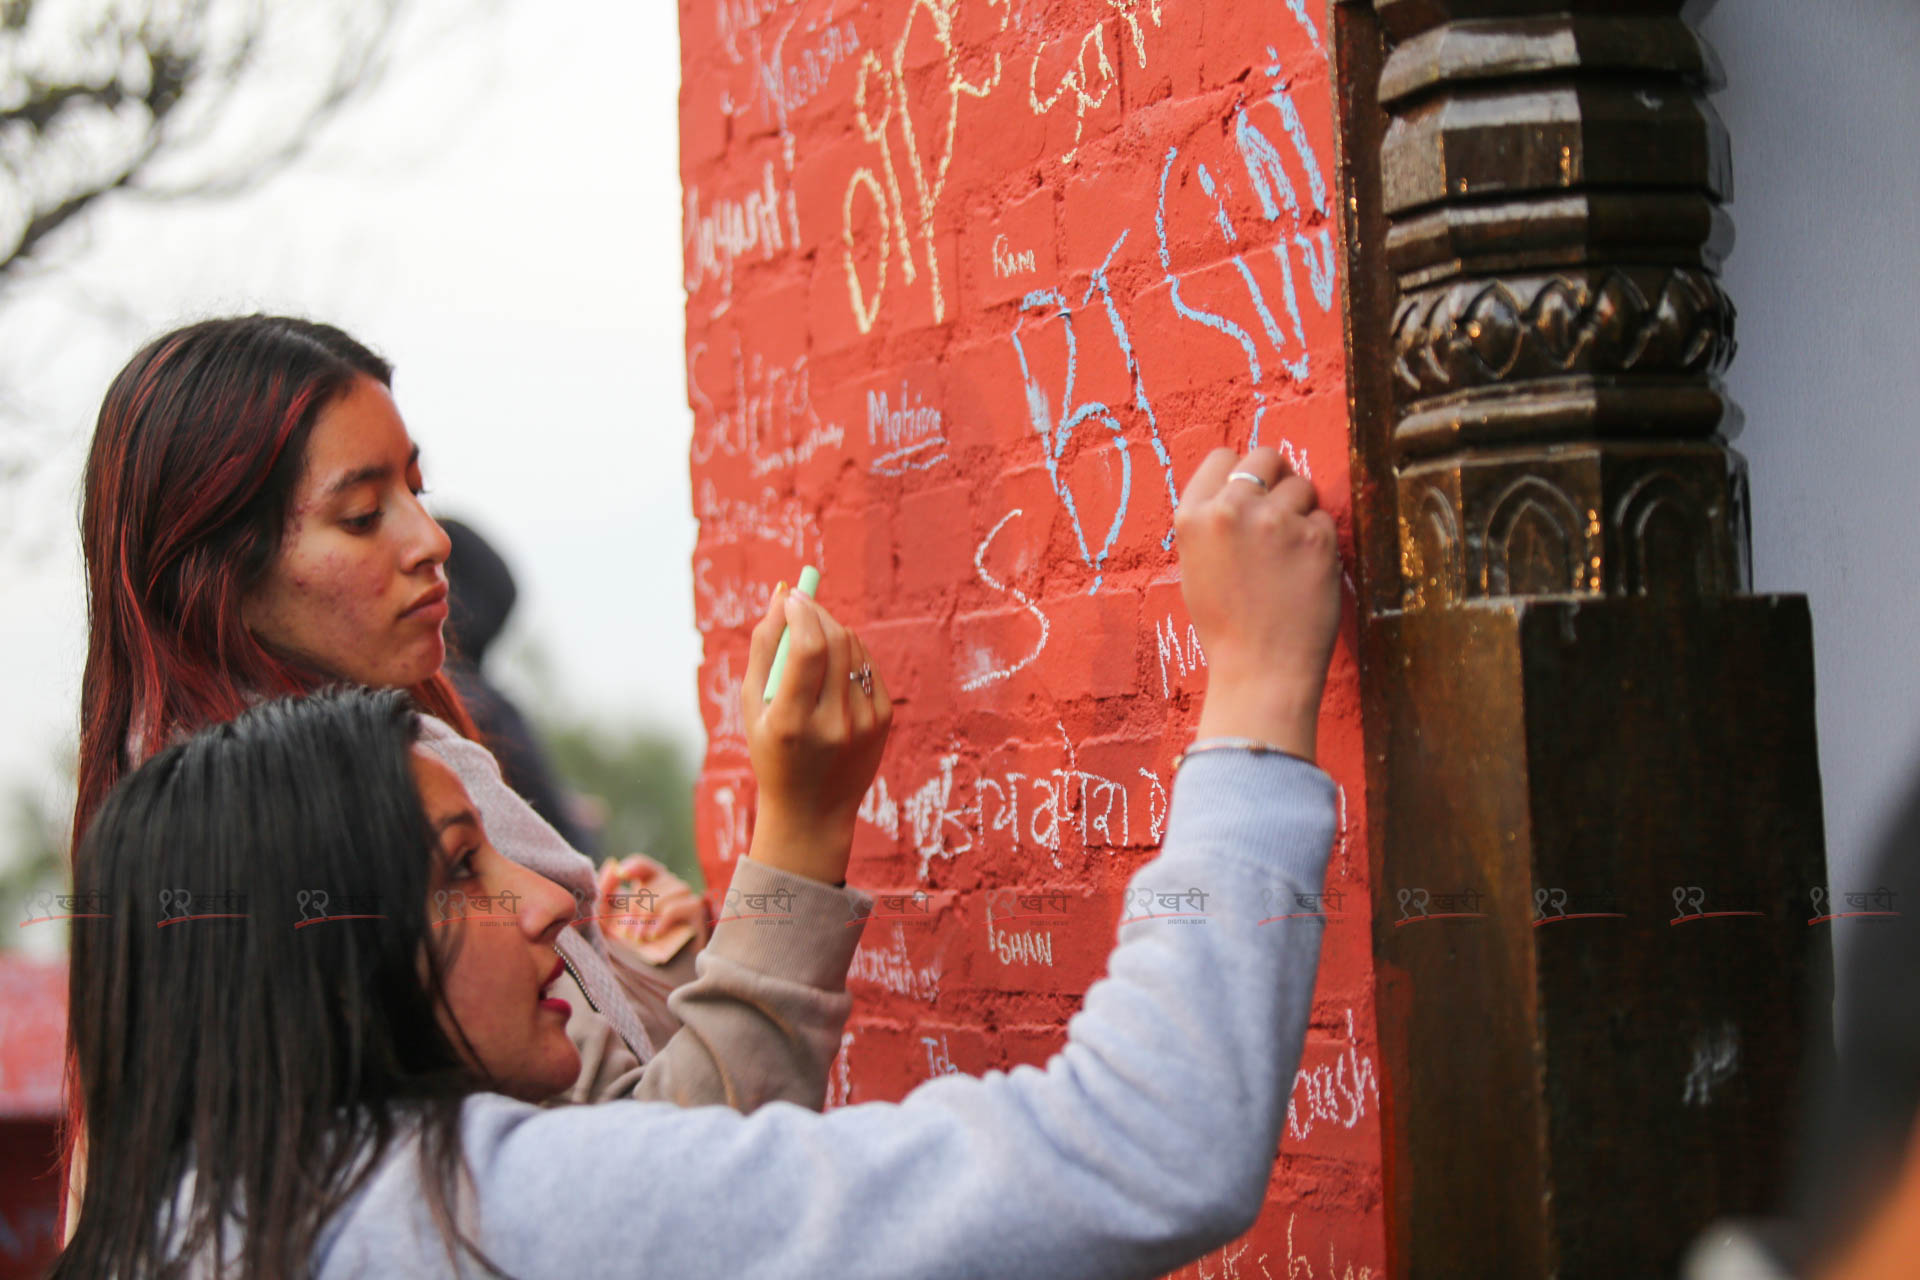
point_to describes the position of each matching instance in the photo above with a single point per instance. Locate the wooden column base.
(1581, 1076)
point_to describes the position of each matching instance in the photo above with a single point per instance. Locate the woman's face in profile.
(496, 924)
(357, 589)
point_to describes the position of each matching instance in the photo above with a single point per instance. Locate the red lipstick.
(555, 1003)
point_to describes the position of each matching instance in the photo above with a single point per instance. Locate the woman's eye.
(462, 868)
(363, 523)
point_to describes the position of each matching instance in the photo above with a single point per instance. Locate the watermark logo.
(636, 905)
(900, 908)
(452, 906)
(1282, 902)
(1550, 906)
(1865, 904)
(1188, 906)
(776, 906)
(47, 906)
(1417, 906)
(179, 906)
(1011, 905)
(317, 906)
(1690, 905)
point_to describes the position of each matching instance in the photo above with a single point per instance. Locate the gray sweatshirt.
(1143, 1144)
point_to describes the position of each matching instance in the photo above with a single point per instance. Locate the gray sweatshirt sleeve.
(1143, 1144)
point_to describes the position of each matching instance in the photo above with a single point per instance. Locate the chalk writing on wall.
(770, 517)
(972, 287)
(1336, 1092)
(1016, 946)
(905, 429)
(889, 967)
(721, 691)
(884, 103)
(949, 815)
(771, 421)
(939, 1057)
(720, 233)
(1089, 76)
(1056, 423)
(785, 78)
(1178, 653)
(840, 1075)
(1008, 261)
(726, 601)
(982, 666)
(1299, 1267)
(732, 831)
(1266, 170)
(1243, 1259)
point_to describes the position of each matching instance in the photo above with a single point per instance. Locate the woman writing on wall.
(404, 1141)
(252, 527)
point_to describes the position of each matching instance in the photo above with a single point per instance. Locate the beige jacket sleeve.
(760, 1021)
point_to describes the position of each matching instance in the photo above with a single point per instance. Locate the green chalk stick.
(808, 584)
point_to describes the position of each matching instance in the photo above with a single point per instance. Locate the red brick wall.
(29, 1197)
(33, 1030)
(972, 285)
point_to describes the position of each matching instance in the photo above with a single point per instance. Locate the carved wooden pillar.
(1584, 738)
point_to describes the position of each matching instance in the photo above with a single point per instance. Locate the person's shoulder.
(434, 729)
(495, 1110)
(380, 1218)
(385, 1227)
(471, 761)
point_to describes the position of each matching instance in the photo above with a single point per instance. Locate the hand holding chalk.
(816, 742)
(808, 584)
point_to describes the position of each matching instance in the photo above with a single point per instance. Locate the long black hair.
(243, 1051)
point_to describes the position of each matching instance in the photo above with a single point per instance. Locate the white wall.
(501, 219)
(1823, 102)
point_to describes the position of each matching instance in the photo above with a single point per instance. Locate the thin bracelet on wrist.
(1253, 746)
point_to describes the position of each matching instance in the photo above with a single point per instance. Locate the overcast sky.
(501, 221)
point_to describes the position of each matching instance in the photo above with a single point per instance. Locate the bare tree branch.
(109, 101)
(167, 99)
(358, 70)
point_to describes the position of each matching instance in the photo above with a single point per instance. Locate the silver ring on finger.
(1250, 477)
(864, 678)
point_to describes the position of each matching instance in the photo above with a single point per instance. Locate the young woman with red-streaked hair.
(253, 528)
(189, 486)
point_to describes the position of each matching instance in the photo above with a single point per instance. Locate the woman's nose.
(429, 543)
(545, 907)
